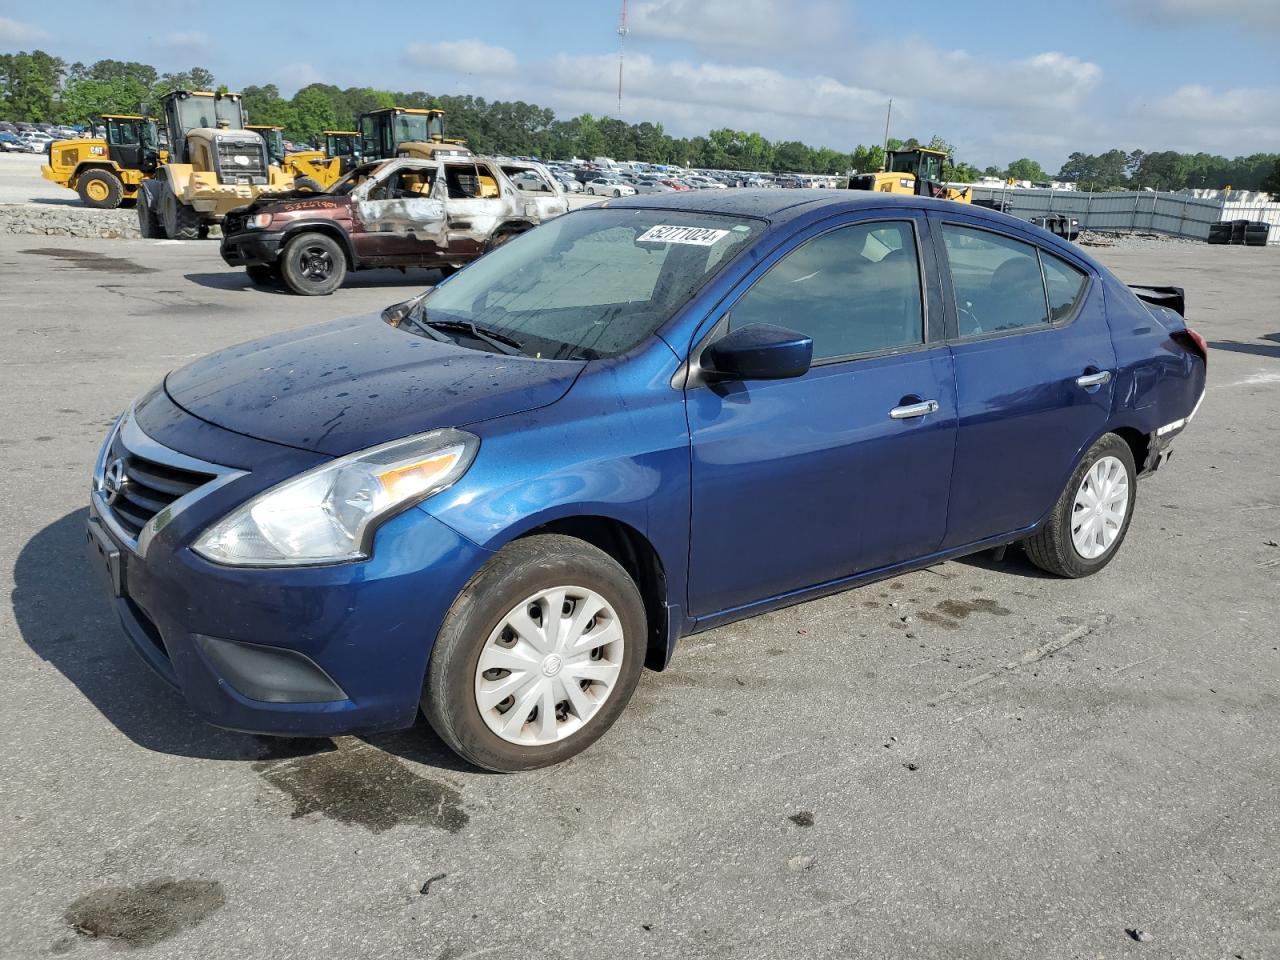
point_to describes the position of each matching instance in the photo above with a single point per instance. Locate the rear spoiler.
(1171, 297)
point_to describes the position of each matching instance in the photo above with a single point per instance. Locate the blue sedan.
(498, 502)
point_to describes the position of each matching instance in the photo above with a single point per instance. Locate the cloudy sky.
(1155, 74)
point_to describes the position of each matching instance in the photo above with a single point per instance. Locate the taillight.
(1193, 341)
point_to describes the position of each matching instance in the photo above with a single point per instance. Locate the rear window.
(998, 287)
(1065, 285)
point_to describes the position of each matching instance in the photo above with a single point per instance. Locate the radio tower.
(623, 30)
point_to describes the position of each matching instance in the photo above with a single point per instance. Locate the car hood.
(350, 384)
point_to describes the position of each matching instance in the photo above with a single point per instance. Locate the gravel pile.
(68, 221)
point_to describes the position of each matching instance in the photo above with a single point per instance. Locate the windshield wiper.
(499, 341)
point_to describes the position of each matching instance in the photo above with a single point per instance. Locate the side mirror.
(759, 351)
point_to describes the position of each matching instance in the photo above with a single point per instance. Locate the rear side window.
(1065, 285)
(853, 290)
(997, 282)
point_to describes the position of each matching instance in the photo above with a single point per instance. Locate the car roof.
(779, 206)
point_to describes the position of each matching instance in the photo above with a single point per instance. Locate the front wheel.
(100, 189)
(537, 657)
(617, 193)
(1091, 517)
(313, 265)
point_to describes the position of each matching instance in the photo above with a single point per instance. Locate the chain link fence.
(1178, 214)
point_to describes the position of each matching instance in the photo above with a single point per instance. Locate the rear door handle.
(912, 410)
(1093, 379)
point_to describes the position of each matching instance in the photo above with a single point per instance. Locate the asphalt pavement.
(971, 761)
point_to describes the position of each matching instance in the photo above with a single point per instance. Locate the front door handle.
(1093, 379)
(912, 410)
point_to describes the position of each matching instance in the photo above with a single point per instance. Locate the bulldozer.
(917, 172)
(406, 132)
(314, 170)
(214, 166)
(106, 167)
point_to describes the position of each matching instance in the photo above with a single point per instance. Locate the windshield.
(593, 283)
(200, 111)
(353, 179)
(417, 127)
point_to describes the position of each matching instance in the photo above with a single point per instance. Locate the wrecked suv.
(439, 213)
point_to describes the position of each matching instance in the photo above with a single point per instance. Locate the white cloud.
(1229, 122)
(15, 32)
(1047, 81)
(461, 56)
(774, 24)
(691, 98)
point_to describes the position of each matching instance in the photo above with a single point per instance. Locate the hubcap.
(316, 264)
(97, 190)
(549, 666)
(1101, 503)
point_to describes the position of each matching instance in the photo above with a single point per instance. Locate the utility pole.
(884, 160)
(623, 30)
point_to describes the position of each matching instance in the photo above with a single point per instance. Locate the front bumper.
(244, 645)
(251, 248)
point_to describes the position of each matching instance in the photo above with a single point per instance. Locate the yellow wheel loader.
(214, 166)
(917, 172)
(406, 132)
(315, 170)
(107, 166)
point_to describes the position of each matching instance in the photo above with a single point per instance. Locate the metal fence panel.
(1143, 211)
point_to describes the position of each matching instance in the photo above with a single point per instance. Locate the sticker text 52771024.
(698, 236)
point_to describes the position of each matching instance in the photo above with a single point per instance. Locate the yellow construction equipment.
(315, 170)
(106, 166)
(406, 132)
(917, 172)
(214, 166)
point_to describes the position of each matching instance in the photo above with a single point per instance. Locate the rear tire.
(518, 580)
(100, 189)
(307, 183)
(1104, 473)
(149, 224)
(180, 221)
(313, 265)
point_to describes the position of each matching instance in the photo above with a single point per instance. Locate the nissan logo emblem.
(114, 480)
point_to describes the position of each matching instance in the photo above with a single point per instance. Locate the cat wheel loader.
(917, 172)
(406, 132)
(106, 167)
(315, 170)
(214, 166)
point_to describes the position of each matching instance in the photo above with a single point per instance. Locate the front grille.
(241, 161)
(149, 486)
(233, 223)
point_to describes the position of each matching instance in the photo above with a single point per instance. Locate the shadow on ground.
(64, 615)
(1271, 349)
(239, 280)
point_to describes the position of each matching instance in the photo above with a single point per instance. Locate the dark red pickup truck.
(441, 213)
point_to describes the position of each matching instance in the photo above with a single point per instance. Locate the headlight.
(328, 514)
(258, 221)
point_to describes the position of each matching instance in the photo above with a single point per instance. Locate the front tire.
(538, 656)
(100, 189)
(1088, 523)
(149, 224)
(180, 221)
(313, 265)
(308, 183)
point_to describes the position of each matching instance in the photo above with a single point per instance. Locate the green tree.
(29, 85)
(1272, 182)
(314, 112)
(792, 156)
(867, 159)
(264, 105)
(1026, 169)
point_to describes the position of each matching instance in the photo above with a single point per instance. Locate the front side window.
(1065, 285)
(594, 283)
(854, 290)
(997, 282)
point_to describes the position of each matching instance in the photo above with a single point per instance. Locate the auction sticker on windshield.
(698, 236)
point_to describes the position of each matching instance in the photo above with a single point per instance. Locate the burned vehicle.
(439, 213)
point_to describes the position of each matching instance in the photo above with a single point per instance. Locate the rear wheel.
(100, 189)
(149, 224)
(313, 265)
(538, 655)
(180, 221)
(1089, 522)
(307, 183)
